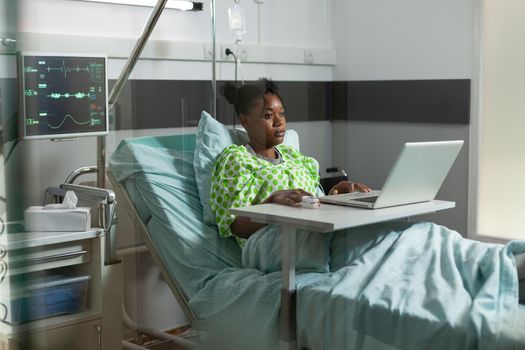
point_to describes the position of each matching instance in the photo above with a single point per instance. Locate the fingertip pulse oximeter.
(310, 202)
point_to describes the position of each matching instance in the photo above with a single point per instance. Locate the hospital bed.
(363, 306)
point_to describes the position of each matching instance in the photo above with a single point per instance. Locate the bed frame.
(126, 202)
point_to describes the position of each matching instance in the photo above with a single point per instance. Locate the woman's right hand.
(348, 187)
(287, 197)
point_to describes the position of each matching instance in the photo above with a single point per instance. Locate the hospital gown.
(240, 179)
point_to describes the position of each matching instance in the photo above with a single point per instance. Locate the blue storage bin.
(36, 297)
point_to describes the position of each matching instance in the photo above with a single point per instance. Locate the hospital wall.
(38, 164)
(406, 42)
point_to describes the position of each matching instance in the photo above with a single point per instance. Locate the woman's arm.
(242, 226)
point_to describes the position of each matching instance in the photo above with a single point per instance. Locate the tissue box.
(40, 219)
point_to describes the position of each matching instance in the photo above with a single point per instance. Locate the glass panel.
(356, 81)
(501, 160)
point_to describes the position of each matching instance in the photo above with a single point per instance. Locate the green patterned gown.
(241, 179)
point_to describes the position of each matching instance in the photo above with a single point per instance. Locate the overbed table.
(327, 218)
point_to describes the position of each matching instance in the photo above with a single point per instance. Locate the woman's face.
(265, 124)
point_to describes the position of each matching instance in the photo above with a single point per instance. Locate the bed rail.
(126, 202)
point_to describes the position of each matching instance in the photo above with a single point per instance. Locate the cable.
(230, 52)
(239, 65)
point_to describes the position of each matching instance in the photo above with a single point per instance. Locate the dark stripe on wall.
(418, 101)
(146, 104)
(175, 103)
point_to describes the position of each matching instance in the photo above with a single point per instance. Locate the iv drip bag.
(237, 21)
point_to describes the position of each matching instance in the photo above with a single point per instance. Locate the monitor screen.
(62, 96)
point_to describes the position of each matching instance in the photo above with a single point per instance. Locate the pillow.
(212, 138)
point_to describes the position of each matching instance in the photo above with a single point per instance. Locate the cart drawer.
(48, 257)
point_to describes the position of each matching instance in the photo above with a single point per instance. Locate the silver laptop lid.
(418, 172)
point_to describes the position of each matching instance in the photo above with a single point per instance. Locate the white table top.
(330, 218)
(36, 239)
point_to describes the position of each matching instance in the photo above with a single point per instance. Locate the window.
(499, 194)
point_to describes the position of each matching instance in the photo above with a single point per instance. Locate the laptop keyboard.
(357, 195)
(367, 199)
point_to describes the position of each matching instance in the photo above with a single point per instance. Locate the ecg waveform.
(91, 121)
(66, 69)
(77, 95)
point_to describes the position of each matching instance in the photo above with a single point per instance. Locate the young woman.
(264, 170)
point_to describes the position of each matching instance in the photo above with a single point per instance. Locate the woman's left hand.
(347, 187)
(287, 197)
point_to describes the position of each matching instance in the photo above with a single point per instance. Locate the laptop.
(416, 177)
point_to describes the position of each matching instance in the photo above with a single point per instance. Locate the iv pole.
(213, 59)
(111, 257)
(117, 88)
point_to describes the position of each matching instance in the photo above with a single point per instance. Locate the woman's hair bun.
(269, 86)
(244, 97)
(230, 92)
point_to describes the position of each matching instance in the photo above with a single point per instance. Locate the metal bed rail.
(127, 203)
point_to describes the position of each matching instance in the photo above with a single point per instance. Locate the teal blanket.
(422, 287)
(386, 286)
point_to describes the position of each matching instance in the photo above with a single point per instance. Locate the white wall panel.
(184, 70)
(7, 66)
(160, 49)
(294, 23)
(8, 17)
(405, 39)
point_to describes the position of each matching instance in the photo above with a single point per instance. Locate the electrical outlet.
(224, 56)
(208, 52)
(243, 53)
(308, 57)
